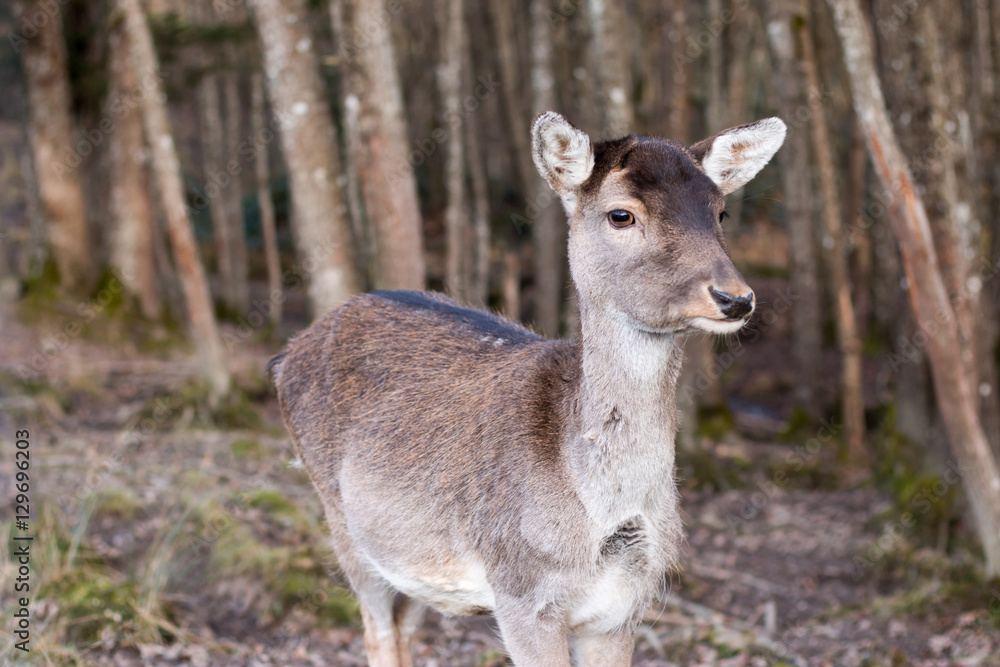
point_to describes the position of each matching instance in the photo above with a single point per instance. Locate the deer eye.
(723, 216)
(620, 218)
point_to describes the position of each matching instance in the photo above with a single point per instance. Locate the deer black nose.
(733, 307)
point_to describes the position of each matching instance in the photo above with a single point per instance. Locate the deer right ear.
(733, 157)
(562, 153)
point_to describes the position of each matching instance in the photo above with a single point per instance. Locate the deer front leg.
(533, 638)
(609, 650)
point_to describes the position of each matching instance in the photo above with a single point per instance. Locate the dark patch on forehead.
(654, 166)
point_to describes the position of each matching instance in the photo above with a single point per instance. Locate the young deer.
(468, 464)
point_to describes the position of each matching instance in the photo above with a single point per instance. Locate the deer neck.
(622, 453)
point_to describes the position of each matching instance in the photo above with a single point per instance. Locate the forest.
(185, 186)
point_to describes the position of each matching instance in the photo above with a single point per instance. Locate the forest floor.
(168, 533)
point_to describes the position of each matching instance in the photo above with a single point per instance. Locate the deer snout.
(733, 307)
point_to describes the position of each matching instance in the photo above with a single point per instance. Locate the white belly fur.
(458, 588)
(609, 603)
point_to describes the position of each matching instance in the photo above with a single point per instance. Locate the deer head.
(645, 238)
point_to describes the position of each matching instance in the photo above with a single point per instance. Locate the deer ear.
(734, 156)
(562, 153)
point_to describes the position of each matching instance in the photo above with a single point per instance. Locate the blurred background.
(185, 185)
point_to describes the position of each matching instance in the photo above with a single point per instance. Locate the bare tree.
(263, 182)
(928, 294)
(167, 173)
(452, 29)
(60, 193)
(611, 56)
(213, 161)
(234, 191)
(794, 161)
(502, 12)
(131, 242)
(833, 239)
(681, 79)
(548, 226)
(475, 162)
(380, 155)
(319, 217)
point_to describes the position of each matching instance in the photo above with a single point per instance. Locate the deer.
(468, 464)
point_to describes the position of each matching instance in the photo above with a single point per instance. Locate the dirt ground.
(171, 534)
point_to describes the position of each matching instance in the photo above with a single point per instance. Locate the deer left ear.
(734, 156)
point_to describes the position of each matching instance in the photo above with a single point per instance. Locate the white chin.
(717, 326)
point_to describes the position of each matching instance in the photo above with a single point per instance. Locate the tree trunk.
(351, 108)
(853, 409)
(512, 284)
(680, 84)
(167, 173)
(548, 224)
(480, 270)
(267, 222)
(387, 183)
(132, 218)
(452, 30)
(611, 55)
(503, 21)
(319, 217)
(859, 234)
(234, 192)
(213, 175)
(56, 157)
(796, 188)
(955, 393)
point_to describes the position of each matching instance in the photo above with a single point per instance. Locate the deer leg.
(532, 638)
(380, 633)
(611, 650)
(408, 614)
(376, 596)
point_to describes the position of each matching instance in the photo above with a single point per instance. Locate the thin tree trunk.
(738, 85)
(611, 54)
(513, 92)
(451, 19)
(263, 182)
(847, 330)
(680, 93)
(512, 284)
(56, 160)
(796, 188)
(549, 227)
(215, 182)
(480, 270)
(320, 219)
(133, 221)
(715, 111)
(233, 131)
(351, 107)
(167, 173)
(387, 184)
(955, 393)
(860, 235)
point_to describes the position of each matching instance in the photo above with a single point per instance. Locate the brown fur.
(475, 466)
